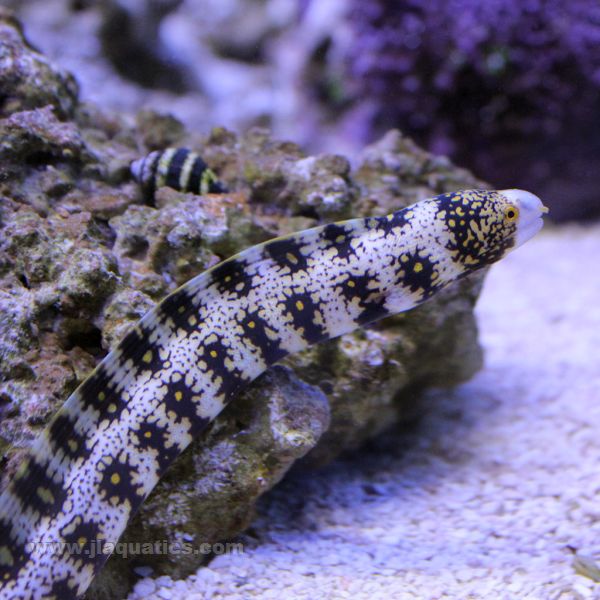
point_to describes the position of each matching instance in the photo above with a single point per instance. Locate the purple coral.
(509, 88)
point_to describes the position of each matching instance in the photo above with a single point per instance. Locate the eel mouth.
(531, 211)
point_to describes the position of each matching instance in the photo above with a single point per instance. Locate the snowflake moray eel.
(107, 447)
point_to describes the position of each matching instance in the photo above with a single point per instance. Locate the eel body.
(106, 448)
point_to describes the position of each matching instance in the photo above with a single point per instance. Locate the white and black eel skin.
(177, 168)
(106, 448)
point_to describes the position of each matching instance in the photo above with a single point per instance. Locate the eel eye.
(511, 214)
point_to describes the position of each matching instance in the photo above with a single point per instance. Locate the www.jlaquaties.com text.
(159, 547)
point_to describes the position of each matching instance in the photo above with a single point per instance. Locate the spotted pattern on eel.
(107, 447)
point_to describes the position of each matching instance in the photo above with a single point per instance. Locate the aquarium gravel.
(485, 498)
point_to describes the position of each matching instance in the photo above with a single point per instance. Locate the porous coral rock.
(28, 79)
(82, 257)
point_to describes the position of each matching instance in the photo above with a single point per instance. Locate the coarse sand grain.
(485, 497)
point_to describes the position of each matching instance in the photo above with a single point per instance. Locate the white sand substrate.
(481, 499)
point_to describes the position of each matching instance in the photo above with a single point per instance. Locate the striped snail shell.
(177, 168)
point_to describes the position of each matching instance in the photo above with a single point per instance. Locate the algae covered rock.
(83, 257)
(27, 78)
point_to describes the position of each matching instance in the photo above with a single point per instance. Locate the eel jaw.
(531, 210)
